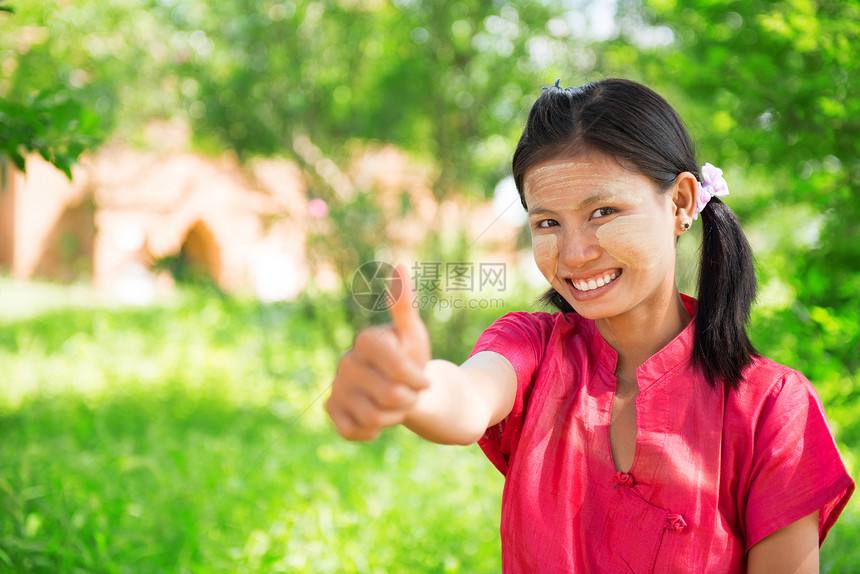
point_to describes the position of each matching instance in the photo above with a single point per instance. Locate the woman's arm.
(461, 402)
(387, 379)
(792, 549)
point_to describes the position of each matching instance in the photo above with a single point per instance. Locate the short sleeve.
(796, 468)
(521, 338)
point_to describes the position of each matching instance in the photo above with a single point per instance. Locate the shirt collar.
(676, 353)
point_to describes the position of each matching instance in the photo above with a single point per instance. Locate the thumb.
(408, 326)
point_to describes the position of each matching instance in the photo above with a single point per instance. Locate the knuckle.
(373, 434)
(360, 432)
(347, 366)
(400, 370)
(361, 339)
(338, 386)
(388, 397)
(351, 373)
(397, 396)
(351, 432)
(377, 339)
(333, 407)
(366, 435)
(372, 419)
(342, 424)
(368, 337)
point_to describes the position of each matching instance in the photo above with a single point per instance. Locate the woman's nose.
(578, 247)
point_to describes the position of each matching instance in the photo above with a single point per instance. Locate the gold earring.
(685, 225)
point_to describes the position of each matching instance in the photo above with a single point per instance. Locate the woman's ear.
(684, 193)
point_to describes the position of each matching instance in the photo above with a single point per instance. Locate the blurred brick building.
(131, 220)
(128, 217)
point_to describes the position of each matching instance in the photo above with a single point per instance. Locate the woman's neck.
(641, 333)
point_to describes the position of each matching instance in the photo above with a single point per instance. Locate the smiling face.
(602, 235)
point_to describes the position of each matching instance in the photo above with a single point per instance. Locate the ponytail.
(727, 286)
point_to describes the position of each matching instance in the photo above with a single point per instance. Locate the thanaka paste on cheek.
(632, 240)
(545, 249)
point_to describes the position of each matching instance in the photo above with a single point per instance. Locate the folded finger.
(381, 349)
(369, 416)
(386, 393)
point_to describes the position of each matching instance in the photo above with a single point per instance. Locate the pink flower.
(712, 185)
(317, 208)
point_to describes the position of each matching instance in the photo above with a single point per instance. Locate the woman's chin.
(590, 304)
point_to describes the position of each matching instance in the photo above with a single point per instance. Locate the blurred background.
(190, 189)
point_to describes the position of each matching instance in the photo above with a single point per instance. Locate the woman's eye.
(547, 223)
(602, 212)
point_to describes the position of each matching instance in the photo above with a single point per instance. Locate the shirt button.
(675, 523)
(624, 479)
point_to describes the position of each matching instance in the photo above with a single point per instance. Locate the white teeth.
(592, 284)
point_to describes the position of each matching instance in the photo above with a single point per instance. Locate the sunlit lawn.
(190, 437)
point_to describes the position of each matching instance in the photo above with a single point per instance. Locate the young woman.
(638, 429)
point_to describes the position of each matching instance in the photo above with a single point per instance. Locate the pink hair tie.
(712, 184)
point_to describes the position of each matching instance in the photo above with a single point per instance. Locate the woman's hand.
(378, 382)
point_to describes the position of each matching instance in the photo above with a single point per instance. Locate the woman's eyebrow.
(590, 200)
(538, 210)
(595, 198)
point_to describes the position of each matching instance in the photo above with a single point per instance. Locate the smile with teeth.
(594, 282)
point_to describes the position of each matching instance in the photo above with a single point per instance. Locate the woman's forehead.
(567, 177)
(586, 164)
(552, 171)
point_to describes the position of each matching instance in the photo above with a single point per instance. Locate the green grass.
(191, 438)
(180, 482)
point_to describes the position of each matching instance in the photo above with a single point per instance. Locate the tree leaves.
(51, 123)
(48, 121)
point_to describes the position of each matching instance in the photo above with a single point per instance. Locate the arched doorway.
(199, 257)
(67, 254)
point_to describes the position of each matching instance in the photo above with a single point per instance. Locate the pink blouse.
(714, 472)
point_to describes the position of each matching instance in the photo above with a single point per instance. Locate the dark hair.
(637, 127)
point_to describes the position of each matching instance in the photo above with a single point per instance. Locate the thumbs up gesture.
(379, 380)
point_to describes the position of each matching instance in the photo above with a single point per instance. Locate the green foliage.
(445, 82)
(406, 73)
(43, 119)
(51, 123)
